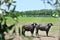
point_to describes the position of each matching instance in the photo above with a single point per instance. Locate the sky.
(26, 5)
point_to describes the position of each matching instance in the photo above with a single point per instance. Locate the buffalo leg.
(36, 31)
(32, 33)
(47, 33)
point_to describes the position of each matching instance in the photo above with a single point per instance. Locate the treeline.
(34, 13)
(38, 13)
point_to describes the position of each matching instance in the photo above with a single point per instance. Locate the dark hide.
(43, 27)
(28, 27)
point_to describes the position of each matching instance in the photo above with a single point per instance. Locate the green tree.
(8, 4)
(54, 3)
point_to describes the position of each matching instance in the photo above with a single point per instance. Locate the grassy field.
(40, 20)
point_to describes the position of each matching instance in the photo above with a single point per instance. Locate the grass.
(28, 20)
(43, 20)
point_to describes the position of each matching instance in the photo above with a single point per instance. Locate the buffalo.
(43, 27)
(28, 27)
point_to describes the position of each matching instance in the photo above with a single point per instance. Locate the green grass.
(37, 19)
(43, 20)
(28, 20)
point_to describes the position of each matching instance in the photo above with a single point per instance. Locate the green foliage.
(6, 1)
(38, 13)
(56, 4)
(34, 13)
(55, 14)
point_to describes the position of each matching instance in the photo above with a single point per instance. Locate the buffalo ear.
(34, 24)
(50, 24)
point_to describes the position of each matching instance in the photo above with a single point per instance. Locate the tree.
(55, 4)
(8, 4)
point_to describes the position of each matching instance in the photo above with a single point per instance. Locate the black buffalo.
(43, 27)
(28, 27)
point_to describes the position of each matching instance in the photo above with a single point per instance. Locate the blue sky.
(25, 5)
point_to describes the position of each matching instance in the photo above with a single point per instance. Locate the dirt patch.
(42, 36)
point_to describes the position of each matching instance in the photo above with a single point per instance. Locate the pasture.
(53, 33)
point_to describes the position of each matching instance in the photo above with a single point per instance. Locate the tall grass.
(39, 20)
